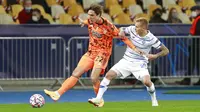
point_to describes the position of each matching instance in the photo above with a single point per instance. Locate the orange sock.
(68, 84)
(96, 87)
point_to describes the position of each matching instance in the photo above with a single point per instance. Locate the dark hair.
(157, 9)
(96, 8)
(196, 7)
(37, 10)
(170, 14)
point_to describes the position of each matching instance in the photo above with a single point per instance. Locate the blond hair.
(143, 21)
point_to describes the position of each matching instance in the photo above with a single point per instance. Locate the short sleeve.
(156, 43)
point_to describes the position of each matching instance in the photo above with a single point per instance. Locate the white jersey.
(142, 43)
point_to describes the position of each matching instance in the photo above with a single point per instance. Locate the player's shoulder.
(131, 27)
(108, 25)
(151, 35)
(106, 22)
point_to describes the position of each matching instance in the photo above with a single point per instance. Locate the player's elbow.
(166, 51)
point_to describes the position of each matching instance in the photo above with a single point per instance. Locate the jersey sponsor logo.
(96, 34)
(143, 65)
(143, 42)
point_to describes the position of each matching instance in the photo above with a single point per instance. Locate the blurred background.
(41, 41)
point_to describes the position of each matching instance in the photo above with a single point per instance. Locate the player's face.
(92, 16)
(140, 29)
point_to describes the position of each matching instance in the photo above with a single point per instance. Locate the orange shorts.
(94, 60)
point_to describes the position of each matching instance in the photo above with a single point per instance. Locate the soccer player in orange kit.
(101, 33)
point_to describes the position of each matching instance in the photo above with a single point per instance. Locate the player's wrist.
(157, 55)
(133, 47)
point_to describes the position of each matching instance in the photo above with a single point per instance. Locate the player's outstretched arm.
(164, 51)
(82, 22)
(130, 44)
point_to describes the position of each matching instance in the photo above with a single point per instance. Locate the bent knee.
(78, 72)
(94, 79)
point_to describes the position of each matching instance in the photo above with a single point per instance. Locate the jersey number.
(99, 59)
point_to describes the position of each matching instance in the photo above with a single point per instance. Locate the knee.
(77, 72)
(110, 75)
(94, 80)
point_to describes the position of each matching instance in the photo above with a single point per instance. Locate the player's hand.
(139, 51)
(152, 56)
(121, 33)
(81, 22)
(142, 53)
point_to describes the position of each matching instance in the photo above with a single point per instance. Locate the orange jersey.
(101, 36)
(100, 45)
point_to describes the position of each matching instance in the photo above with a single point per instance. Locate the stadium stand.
(112, 8)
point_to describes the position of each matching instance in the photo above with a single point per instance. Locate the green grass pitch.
(183, 92)
(135, 106)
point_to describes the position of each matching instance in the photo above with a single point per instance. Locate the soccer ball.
(37, 101)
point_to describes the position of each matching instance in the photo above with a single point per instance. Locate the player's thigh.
(121, 69)
(85, 64)
(141, 74)
(101, 62)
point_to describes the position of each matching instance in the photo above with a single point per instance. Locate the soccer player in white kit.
(132, 62)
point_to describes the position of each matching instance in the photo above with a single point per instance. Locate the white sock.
(103, 87)
(57, 93)
(152, 91)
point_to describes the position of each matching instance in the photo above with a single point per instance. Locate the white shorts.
(125, 68)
